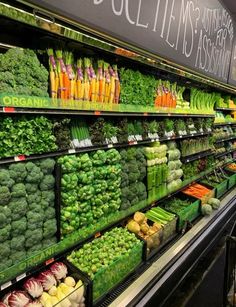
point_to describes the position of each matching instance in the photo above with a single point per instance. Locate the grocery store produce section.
(102, 165)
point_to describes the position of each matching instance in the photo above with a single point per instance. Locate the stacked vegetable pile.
(90, 187)
(136, 88)
(156, 170)
(175, 172)
(133, 172)
(80, 133)
(192, 146)
(109, 258)
(166, 219)
(27, 213)
(21, 73)
(26, 135)
(77, 79)
(198, 191)
(152, 234)
(50, 288)
(200, 100)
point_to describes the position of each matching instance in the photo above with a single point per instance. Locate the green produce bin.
(231, 181)
(169, 230)
(188, 213)
(221, 188)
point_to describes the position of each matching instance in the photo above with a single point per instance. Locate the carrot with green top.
(62, 74)
(117, 85)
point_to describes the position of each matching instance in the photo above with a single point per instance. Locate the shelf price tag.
(97, 112)
(49, 261)
(20, 276)
(71, 151)
(110, 145)
(180, 136)
(20, 158)
(145, 114)
(9, 110)
(6, 285)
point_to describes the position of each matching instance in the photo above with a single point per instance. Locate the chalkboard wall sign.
(232, 73)
(197, 34)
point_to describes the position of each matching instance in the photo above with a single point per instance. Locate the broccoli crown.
(5, 216)
(5, 179)
(49, 213)
(47, 183)
(35, 208)
(34, 174)
(33, 237)
(5, 250)
(34, 217)
(5, 264)
(48, 196)
(17, 172)
(17, 243)
(47, 165)
(34, 249)
(18, 227)
(5, 233)
(18, 208)
(18, 190)
(5, 195)
(31, 188)
(34, 198)
(125, 204)
(49, 228)
(17, 256)
(50, 241)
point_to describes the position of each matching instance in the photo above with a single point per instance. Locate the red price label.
(49, 261)
(20, 158)
(8, 110)
(97, 113)
(145, 114)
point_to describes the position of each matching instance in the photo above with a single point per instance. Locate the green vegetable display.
(27, 216)
(111, 257)
(90, 187)
(175, 171)
(137, 88)
(26, 135)
(21, 73)
(192, 146)
(133, 172)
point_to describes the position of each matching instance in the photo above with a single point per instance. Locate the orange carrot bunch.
(165, 95)
(197, 190)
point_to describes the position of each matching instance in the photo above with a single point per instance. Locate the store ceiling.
(231, 5)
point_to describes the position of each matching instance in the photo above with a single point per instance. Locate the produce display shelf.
(225, 109)
(197, 156)
(226, 139)
(97, 112)
(26, 267)
(23, 157)
(225, 153)
(225, 123)
(168, 271)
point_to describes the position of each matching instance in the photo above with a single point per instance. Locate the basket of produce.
(231, 178)
(200, 191)
(187, 209)
(231, 167)
(219, 182)
(108, 260)
(58, 284)
(166, 219)
(151, 232)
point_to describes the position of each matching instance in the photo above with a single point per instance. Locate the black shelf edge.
(225, 109)
(225, 153)
(18, 110)
(226, 139)
(225, 124)
(93, 148)
(197, 156)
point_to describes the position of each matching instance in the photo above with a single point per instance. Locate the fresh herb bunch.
(136, 88)
(62, 133)
(26, 135)
(96, 131)
(122, 134)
